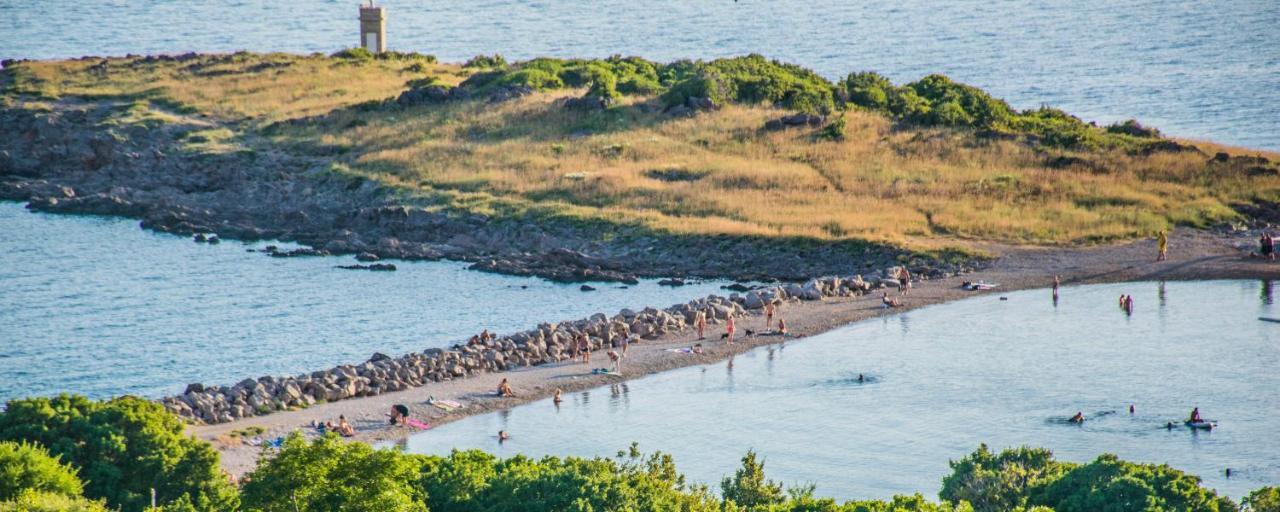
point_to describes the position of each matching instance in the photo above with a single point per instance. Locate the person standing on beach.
(700, 321)
(768, 315)
(904, 280)
(729, 328)
(584, 347)
(1057, 282)
(1163, 241)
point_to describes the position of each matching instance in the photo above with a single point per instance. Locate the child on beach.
(730, 329)
(556, 399)
(700, 321)
(584, 348)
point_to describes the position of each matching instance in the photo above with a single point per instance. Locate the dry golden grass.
(716, 173)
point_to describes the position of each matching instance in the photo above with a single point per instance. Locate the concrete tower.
(373, 28)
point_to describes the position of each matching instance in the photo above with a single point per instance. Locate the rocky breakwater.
(547, 343)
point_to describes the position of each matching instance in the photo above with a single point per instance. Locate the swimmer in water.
(861, 378)
(503, 436)
(1078, 418)
(556, 399)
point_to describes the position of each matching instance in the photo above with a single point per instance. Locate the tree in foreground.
(123, 448)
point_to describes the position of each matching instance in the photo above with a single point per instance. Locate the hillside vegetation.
(688, 147)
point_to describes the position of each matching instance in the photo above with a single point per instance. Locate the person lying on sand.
(399, 413)
(697, 348)
(504, 389)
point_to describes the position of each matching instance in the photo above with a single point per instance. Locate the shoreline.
(1194, 255)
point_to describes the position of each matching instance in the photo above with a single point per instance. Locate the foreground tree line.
(73, 454)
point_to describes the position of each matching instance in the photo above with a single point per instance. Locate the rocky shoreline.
(72, 156)
(546, 344)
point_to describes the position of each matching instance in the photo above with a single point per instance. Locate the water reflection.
(1267, 292)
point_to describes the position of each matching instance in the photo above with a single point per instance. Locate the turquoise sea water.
(100, 307)
(941, 380)
(1194, 69)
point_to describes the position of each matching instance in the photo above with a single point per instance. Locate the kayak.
(1265, 319)
(1205, 425)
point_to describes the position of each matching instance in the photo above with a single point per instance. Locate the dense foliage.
(122, 449)
(1266, 499)
(24, 466)
(136, 446)
(934, 100)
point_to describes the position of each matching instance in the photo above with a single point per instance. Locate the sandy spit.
(1193, 255)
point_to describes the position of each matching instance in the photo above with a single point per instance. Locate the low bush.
(486, 61)
(357, 53)
(27, 467)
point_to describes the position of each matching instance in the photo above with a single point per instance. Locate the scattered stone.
(673, 282)
(587, 288)
(367, 256)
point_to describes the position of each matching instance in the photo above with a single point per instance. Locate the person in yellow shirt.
(1163, 240)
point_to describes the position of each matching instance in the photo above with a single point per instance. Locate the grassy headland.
(683, 147)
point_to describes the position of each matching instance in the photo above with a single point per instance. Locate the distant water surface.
(940, 380)
(1194, 69)
(100, 307)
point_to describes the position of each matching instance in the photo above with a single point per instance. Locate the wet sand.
(1192, 255)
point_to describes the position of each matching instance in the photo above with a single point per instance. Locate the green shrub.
(991, 482)
(357, 53)
(34, 501)
(748, 488)
(123, 448)
(486, 61)
(535, 79)
(834, 130)
(639, 85)
(867, 89)
(1110, 484)
(27, 467)
(1266, 499)
(961, 105)
(603, 83)
(330, 474)
(708, 84)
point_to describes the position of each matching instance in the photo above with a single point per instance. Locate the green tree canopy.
(122, 448)
(330, 474)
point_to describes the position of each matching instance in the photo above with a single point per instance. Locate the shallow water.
(1193, 69)
(941, 380)
(100, 307)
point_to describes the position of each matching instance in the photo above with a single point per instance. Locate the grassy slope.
(716, 173)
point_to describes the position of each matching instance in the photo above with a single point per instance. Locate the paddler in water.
(1078, 418)
(1195, 416)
